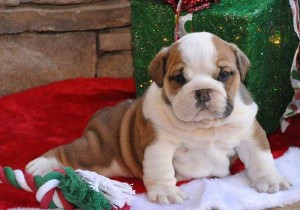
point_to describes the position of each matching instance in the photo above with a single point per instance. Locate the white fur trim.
(234, 192)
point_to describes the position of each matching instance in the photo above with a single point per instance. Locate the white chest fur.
(201, 155)
(201, 152)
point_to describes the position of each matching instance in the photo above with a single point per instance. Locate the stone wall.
(42, 41)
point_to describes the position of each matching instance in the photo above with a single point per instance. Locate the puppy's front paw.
(166, 195)
(42, 165)
(271, 183)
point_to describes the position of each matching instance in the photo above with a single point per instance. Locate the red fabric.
(42, 118)
(2, 176)
(39, 119)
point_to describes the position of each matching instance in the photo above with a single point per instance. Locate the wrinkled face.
(200, 76)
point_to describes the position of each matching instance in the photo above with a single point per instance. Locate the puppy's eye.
(180, 79)
(224, 75)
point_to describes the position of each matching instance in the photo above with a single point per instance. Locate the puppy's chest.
(204, 156)
(206, 148)
(213, 140)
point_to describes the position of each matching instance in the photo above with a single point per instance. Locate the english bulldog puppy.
(194, 117)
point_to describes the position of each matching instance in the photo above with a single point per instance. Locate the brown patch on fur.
(166, 64)
(245, 95)
(174, 66)
(226, 60)
(99, 145)
(242, 61)
(136, 134)
(157, 68)
(231, 53)
(118, 133)
(259, 135)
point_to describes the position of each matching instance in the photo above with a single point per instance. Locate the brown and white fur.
(192, 119)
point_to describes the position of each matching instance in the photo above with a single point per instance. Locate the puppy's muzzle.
(202, 96)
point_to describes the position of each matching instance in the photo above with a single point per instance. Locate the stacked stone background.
(42, 41)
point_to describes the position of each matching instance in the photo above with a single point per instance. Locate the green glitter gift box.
(262, 29)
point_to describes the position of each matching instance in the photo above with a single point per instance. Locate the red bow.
(192, 5)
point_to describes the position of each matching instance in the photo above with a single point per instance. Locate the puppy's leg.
(88, 153)
(159, 174)
(256, 155)
(44, 164)
(97, 150)
(56, 158)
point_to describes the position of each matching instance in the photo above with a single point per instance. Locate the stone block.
(115, 40)
(30, 59)
(118, 65)
(98, 15)
(57, 2)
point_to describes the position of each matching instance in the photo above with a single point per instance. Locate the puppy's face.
(200, 76)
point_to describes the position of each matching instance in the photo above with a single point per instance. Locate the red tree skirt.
(42, 118)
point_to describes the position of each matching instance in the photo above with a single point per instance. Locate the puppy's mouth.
(228, 110)
(203, 102)
(223, 114)
(205, 106)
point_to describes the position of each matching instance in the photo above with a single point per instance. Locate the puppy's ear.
(242, 61)
(157, 67)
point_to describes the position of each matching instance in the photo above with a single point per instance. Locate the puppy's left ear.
(157, 67)
(242, 61)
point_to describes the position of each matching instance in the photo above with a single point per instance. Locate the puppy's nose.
(202, 96)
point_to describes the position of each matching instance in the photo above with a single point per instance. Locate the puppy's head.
(200, 75)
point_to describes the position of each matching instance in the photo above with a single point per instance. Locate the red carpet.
(39, 119)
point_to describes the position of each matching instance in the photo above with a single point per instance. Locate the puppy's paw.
(271, 183)
(166, 195)
(42, 165)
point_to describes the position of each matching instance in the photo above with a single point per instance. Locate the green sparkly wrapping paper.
(262, 29)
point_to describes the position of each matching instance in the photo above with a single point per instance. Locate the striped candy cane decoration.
(57, 189)
(67, 188)
(47, 193)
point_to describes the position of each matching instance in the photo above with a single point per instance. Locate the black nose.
(202, 96)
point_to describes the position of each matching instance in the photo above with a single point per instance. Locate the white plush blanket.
(234, 192)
